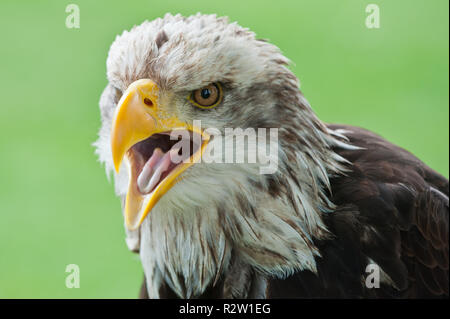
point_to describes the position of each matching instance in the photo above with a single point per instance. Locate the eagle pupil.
(206, 93)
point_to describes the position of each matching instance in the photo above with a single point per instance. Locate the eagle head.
(191, 218)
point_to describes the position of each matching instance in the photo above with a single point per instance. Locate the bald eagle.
(346, 214)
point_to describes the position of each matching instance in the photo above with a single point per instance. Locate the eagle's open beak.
(139, 124)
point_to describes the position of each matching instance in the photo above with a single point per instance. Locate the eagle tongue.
(151, 173)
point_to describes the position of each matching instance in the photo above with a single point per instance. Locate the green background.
(56, 205)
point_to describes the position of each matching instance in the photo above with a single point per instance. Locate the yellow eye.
(207, 97)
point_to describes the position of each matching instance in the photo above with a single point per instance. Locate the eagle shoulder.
(392, 210)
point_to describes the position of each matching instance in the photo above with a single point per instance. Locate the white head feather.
(221, 214)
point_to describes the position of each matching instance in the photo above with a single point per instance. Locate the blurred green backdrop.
(56, 204)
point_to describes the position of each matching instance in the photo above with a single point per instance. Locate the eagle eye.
(207, 97)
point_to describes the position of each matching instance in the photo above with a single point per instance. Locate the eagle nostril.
(148, 102)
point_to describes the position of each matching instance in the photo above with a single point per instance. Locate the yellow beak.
(137, 117)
